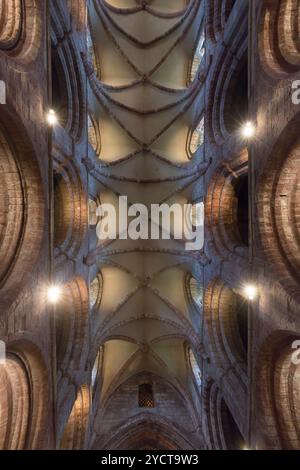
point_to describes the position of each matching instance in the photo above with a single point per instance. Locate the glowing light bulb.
(250, 291)
(248, 130)
(51, 117)
(53, 294)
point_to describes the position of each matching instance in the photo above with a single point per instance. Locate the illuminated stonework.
(149, 346)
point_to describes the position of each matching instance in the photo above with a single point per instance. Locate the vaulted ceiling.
(142, 107)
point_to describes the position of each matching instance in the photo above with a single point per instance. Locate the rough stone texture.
(268, 419)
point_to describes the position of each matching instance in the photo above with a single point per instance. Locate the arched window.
(197, 137)
(2, 352)
(198, 55)
(96, 368)
(94, 135)
(198, 214)
(195, 368)
(146, 398)
(196, 292)
(91, 47)
(92, 213)
(96, 287)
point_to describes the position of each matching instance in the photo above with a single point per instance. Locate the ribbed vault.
(142, 112)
